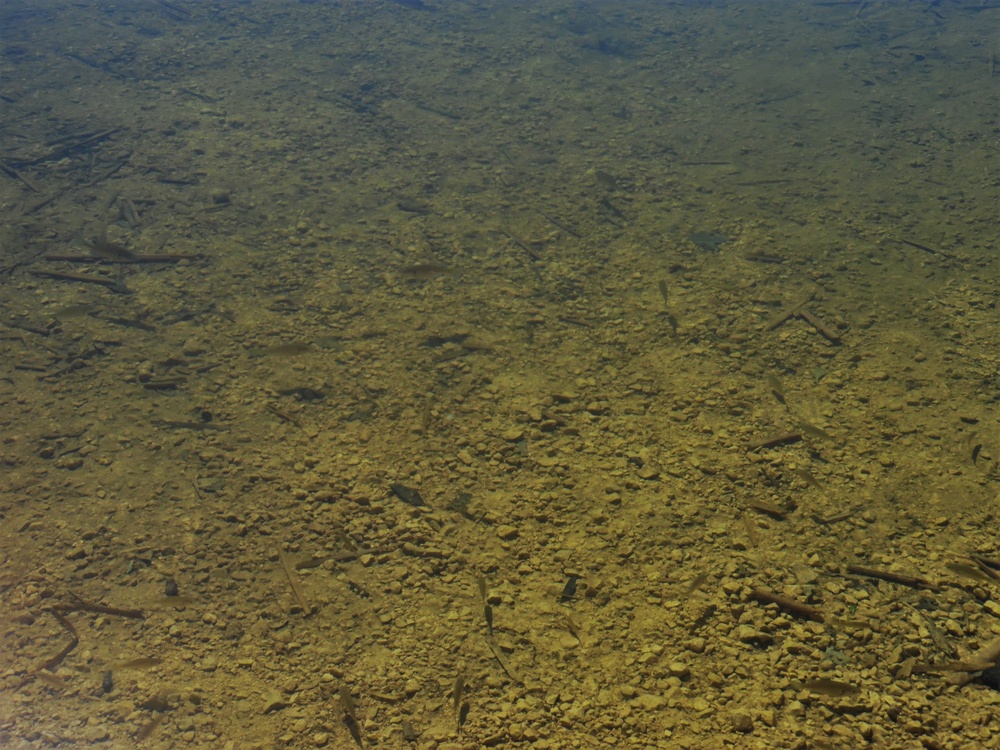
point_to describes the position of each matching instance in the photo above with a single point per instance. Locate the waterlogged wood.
(102, 280)
(48, 664)
(79, 605)
(784, 315)
(80, 142)
(149, 258)
(885, 575)
(824, 330)
(791, 606)
(504, 664)
(521, 244)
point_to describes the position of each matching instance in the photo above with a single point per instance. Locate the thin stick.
(293, 580)
(80, 605)
(504, 664)
(17, 175)
(102, 280)
(74, 640)
(69, 147)
(885, 575)
(819, 325)
(792, 311)
(521, 244)
(558, 223)
(149, 258)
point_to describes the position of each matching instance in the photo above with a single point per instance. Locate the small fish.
(457, 691)
(280, 350)
(696, 583)
(808, 478)
(831, 688)
(74, 311)
(815, 432)
(347, 703)
(768, 509)
(777, 389)
(350, 715)
(50, 680)
(149, 727)
(605, 180)
(166, 602)
(409, 733)
(971, 665)
(412, 206)
(423, 271)
(110, 251)
(569, 590)
(970, 571)
(143, 662)
(488, 615)
(408, 495)
(708, 241)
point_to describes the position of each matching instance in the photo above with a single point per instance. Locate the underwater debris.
(791, 606)
(885, 575)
